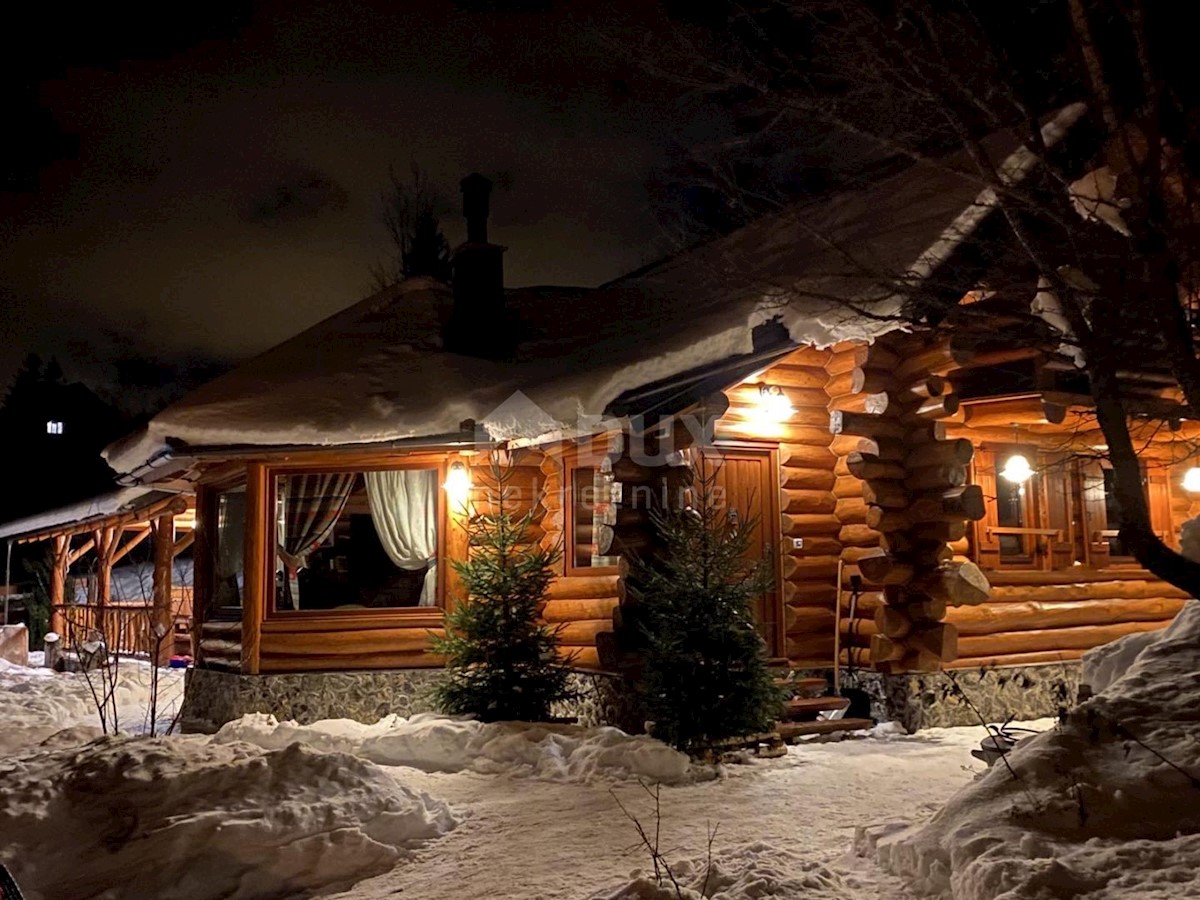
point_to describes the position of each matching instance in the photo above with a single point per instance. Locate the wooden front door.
(747, 484)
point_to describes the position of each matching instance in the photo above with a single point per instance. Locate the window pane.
(228, 578)
(594, 514)
(356, 540)
(1112, 514)
(583, 503)
(1011, 513)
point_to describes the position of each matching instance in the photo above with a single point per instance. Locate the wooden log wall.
(1060, 612)
(1055, 614)
(220, 645)
(811, 497)
(344, 642)
(885, 415)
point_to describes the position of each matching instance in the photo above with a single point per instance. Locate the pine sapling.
(705, 676)
(501, 660)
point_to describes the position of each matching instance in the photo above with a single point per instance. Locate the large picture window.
(354, 540)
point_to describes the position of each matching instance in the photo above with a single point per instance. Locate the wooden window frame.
(1156, 489)
(407, 615)
(1060, 548)
(1037, 530)
(570, 465)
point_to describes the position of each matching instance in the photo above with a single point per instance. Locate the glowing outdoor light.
(1191, 480)
(1016, 469)
(458, 484)
(773, 403)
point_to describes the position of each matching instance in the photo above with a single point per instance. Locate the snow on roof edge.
(112, 503)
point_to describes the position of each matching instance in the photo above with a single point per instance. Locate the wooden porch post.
(259, 515)
(106, 539)
(58, 585)
(162, 616)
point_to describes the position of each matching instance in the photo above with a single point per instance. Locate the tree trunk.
(1136, 530)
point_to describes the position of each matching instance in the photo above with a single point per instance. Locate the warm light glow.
(458, 485)
(1016, 469)
(773, 403)
(1191, 480)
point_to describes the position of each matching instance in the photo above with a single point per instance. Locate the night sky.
(193, 191)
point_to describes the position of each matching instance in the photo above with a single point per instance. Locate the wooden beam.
(1031, 410)
(184, 542)
(259, 519)
(123, 550)
(73, 556)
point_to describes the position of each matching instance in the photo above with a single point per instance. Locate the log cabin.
(960, 483)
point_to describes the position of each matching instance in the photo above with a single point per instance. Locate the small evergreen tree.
(427, 251)
(419, 248)
(704, 675)
(501, 661)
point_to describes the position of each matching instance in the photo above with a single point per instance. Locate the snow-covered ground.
(439, 809)
(432, 808)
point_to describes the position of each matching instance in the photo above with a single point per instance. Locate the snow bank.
(1105, 664)
(187, 819)
(436, 743)
(35, 703)
(756, 871)
(1106, 806)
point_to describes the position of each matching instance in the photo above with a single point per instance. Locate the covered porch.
(146, 611)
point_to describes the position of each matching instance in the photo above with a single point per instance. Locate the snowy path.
(533, 839)
(531, 810)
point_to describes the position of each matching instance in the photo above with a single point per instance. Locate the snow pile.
(35, 703)
(436, 743)
(186, 819)
(1106, 806)
(1105, 664)
(756, 871)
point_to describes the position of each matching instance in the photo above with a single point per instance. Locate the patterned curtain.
(311, 506)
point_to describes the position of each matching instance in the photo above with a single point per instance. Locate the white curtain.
(404, 511)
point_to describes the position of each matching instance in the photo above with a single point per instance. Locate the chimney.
(478, 325)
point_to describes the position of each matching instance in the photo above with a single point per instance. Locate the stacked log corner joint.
(914, 486)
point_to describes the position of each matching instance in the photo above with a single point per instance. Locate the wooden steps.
(802, 711)
(805, 708)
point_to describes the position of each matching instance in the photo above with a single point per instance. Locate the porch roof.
(127, 502)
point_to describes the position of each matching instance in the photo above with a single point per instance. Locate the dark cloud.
(299, 198)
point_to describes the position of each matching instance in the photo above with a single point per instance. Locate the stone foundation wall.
(213, 698)
(939, 701)
(916, 701)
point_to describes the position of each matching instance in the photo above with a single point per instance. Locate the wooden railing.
(126, 628)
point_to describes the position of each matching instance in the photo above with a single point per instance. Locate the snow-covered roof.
(376, 372)
(120, 501)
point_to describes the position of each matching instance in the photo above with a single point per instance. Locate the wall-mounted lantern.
(458, 485)
(773, 403)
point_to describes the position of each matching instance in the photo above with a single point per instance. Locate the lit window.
(357, 539)
(53, 427)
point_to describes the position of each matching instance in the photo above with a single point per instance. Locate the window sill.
(353, 619)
